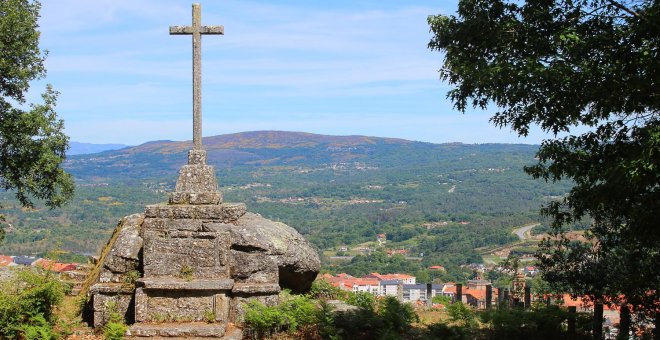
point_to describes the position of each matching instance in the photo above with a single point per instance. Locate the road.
(524, 232)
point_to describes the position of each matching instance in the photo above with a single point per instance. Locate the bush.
(114, 330)
(37, 329)
(462, 314)
(322, 289)
(363, 300)
(541, 322)
(27, 301)
(293, 312)
(390, 320)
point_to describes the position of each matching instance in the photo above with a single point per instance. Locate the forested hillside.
(442, 200)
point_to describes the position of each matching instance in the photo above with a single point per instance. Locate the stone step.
(182, 284)
(177, 330)
(77, 275)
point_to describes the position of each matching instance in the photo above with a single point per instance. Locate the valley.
(431, 204)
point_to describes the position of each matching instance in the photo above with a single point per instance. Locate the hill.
(448, 202)
(78, 148)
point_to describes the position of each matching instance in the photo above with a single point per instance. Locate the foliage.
(32, 141)
(462, 314)
(209, 316)
(363, 300)
(442, 299)
(391, 319)
(27, 301)
(397, 316)
(37, 329)
(589, 70)
(115, 328)
(325, 321)
(322, 289)
(293, 312)
(186, 273)
(542, 322)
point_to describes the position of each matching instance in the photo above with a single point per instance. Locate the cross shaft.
(197, 30)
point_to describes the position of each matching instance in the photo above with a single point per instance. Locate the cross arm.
(176, 30)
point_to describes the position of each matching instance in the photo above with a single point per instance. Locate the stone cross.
(196, 30)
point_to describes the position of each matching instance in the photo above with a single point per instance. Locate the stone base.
(178, 330)
(226, 212)
(195, 198)
(196, 178)
(108, 298)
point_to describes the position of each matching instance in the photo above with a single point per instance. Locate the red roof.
(437, 267)
(54, 266)
(395, 276)
(5, 260)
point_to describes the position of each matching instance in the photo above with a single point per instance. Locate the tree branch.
(630, 11)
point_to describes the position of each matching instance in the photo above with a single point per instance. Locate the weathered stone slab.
(256, 288)
(255, 267)
(111, 288)
(181, 284)
(196, 178)
(181, 330)
(195, 258)
(195, 198)
(297, 260)
(105, 302)
(173, 305)
(197, 157)
(124, 255)
(226, 212)
(170, 224)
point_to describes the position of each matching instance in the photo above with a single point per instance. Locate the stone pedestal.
(187, 268)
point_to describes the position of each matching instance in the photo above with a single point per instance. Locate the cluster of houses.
(73, 273)
(406, 289)
(10, 261)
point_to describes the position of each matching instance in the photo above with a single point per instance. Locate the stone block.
(181, 331)
(181, 284)
(255, 288)
(213, 198)
(253, 267)
(197, 157)
(171, 224)
(174, 305)
(182, 257)
(196, 178)
(226, 212)
(221, 305)
(104, 303)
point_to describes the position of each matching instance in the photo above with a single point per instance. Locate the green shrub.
(322, 289)
(462, 314)
(292, 313)
(263, 321)
(396, 316)
(114, 330)
(390, 320)
(363, 300)
(27, 301)
(541, 322)
(37, 329)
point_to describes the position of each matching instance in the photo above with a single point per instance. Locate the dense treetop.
(568, 67)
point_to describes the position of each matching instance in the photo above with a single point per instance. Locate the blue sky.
(330, 67)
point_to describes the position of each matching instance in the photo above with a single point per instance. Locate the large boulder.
(297, 261)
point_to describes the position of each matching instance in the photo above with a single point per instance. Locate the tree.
(32, 141)
(589, 70)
